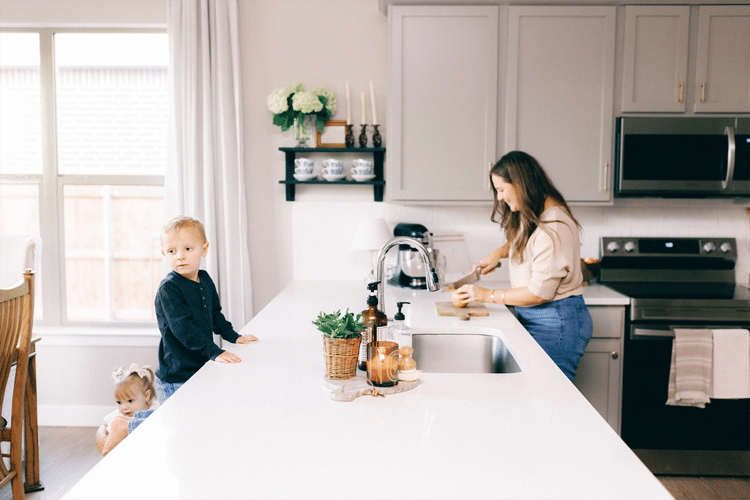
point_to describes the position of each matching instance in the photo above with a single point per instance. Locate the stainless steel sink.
(462, 352)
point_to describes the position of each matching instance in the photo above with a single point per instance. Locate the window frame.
(51, 185)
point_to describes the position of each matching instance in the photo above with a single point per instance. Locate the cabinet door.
(442, 101)
(599, 379)
(723, 59)
(560, 95)
(655, 58)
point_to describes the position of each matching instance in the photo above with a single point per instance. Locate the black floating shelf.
(378, 183)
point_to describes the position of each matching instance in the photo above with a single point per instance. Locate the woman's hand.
(471, 293)
(489, 263)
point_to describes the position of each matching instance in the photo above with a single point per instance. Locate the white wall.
(323, 43)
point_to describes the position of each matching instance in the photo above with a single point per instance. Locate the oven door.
(671, 439)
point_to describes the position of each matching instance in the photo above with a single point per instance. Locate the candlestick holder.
(349, 139)
(377, 139)
(363, 136)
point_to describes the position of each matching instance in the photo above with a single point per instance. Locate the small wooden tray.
(473, 309)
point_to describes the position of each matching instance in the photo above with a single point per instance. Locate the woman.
(544, 249)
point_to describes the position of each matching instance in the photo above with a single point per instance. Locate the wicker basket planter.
(341, 356)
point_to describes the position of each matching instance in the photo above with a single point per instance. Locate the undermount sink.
(470, 350)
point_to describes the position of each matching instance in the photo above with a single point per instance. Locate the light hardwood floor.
(67, 453)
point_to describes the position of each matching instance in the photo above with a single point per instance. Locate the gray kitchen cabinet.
(599, 374)
(722, 75)
(442, 102)
(560, 95)
(655, 58)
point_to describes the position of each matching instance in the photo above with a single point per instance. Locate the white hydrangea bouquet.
(290, 103)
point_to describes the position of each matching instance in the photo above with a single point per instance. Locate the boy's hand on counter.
(246, 339)
(228, 357)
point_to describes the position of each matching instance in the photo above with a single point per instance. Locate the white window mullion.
(50, 192)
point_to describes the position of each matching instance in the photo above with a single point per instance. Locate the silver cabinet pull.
(605, 174)
(682, 92)
(703, 91)
(615, 355)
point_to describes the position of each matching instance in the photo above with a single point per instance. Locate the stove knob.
(613, 247)
(709, 247)
(629, 247)
(725, 247)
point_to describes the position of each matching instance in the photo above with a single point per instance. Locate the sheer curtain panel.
(204, 177)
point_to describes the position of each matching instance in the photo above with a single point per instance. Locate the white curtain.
(204, 176)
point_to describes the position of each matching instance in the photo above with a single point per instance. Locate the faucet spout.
(433, 283)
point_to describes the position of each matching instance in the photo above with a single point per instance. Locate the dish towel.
(691, 367)
(731, 371)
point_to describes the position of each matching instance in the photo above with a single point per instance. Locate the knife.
(466, 280)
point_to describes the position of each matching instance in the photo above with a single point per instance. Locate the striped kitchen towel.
(691, 369)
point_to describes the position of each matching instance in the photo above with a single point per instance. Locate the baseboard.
(72, 415)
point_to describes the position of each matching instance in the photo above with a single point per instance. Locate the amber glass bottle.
(375, 323)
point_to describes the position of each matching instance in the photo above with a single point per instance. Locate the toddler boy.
(187, 310)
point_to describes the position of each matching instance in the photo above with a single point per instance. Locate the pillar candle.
(348, 106)
(364, 118)
(372, 100)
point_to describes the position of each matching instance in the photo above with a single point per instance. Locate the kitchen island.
(267, 428)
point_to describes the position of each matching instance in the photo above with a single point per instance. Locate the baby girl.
(134, 391)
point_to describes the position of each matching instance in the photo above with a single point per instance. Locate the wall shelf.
(378, 183)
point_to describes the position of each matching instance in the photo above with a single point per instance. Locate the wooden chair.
(16, 318)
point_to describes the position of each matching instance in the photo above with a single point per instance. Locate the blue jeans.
(165, 389)
(562, 328)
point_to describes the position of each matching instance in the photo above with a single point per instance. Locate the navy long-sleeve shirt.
(188, 314)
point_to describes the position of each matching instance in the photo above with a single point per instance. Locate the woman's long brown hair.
(532, 188)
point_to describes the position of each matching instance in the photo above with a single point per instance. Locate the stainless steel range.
(677, 283)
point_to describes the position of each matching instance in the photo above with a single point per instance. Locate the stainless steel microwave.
(682, 157)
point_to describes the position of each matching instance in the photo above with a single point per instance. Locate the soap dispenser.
(398, 327)
(376, 324)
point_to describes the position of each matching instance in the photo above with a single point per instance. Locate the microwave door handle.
(729, 131)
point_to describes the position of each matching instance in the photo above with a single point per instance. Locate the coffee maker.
(410, 271)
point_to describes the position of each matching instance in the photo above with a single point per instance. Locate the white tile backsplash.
(322, 230)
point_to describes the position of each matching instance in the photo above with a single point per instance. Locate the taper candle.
(364, 118)
(372, 100)
(348, 106)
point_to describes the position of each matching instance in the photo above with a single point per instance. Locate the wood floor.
(67, 453)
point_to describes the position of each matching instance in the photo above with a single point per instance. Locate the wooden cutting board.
(473, 309)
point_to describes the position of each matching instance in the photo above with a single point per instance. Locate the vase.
(302, 129)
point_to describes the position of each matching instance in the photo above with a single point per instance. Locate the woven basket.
(341, 357)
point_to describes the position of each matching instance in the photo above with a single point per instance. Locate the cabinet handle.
(604, 176)
(703, 91)
(682, 92)
(489, 180)
(615, 355)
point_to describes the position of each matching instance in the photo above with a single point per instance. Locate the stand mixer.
(410, 270)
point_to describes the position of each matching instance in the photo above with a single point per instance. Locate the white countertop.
(266, 428)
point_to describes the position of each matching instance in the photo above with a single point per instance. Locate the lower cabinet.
(599, 375)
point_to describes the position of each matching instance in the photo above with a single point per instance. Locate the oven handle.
(650, 332)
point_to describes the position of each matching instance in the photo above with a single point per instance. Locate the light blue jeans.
(163, 391)
(562, 328)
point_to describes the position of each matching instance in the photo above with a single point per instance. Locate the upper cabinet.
(560, 95)
(722, 75)
(442, 102)
(655, 60)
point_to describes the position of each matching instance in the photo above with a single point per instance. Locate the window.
(83, 145)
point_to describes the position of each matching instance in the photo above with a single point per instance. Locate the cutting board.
(473, 309)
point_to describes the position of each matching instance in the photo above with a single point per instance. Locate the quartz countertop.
(267, 428)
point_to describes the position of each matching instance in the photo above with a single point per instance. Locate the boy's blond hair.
(183, 222)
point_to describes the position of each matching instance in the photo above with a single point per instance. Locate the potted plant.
(293, 105)
(341, 339)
